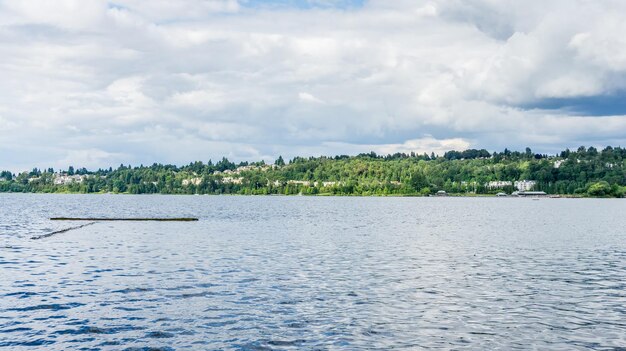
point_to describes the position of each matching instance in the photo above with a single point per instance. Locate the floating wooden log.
(183, 219)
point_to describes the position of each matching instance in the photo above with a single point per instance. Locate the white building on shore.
(521, 185)
(525, 185)
(232, 180)
(192, 181)
(498, 184)
(62, 179)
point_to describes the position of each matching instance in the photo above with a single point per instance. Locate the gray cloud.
(106, 82)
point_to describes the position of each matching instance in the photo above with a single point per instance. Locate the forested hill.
(584, 172)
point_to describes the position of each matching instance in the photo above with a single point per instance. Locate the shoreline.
(549, 196)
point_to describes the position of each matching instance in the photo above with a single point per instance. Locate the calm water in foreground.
(303, 273)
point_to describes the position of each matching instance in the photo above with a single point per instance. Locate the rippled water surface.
(313, 273)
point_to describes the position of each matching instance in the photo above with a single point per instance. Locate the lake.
(313, 273)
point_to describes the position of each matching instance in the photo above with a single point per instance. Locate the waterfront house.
(62, 179)
(525, 185)
(498, 184)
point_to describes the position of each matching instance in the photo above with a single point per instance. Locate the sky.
(97, 83)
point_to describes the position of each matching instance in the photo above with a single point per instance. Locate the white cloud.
(602, 47)
(422, 145)
(572, 85)
(7, 125)
(306, 97)
(90, 158)
(130, 77)
(68, 14)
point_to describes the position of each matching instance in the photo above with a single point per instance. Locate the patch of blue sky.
(600, 105)
(304, 4)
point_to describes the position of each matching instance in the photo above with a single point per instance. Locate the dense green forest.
(583, 172)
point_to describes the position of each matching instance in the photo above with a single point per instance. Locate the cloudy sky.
(95, 83)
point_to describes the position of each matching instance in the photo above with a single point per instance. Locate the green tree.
(601, 188)
(418, 181)
(6, 175)
(279, 161)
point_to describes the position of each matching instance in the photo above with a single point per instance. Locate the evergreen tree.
(279, 161)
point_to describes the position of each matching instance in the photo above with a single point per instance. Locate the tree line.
(583, 172)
